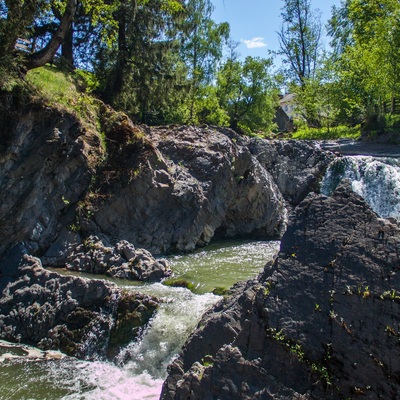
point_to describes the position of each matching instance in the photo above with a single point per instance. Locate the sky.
(254, 23)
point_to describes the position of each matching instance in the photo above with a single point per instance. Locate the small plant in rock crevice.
(296, 348)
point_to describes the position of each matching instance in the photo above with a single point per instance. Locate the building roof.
(287, 98)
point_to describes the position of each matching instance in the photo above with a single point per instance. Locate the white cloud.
(255, 43)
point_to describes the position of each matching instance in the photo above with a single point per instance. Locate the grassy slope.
(72, 90)
(338, 132)
(69, 90)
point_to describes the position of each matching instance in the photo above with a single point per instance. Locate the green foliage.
(367, 43)
(247, 93)
(335, 132)
(299, 39)
(392, 122)
(296, 348)
(201, 48)
(207, 109)
(207, 361)
(88, 79)
(142, 73)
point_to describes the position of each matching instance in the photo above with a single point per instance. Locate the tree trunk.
(67, 49)
(46, 54)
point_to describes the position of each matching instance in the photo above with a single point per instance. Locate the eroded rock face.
(81, 317)
(46, 162)
(163, 189)
(321, 322)
(198, 182)
(296, 166)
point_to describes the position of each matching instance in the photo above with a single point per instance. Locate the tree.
(47, 53)
(320, 100)
(366, 34)
(140, 72)
(299, 39)
(201, 43)
(247, 93)
(50, 21)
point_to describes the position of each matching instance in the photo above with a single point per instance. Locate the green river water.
(138, 371)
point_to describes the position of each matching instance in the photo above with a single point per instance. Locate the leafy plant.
(336, 132)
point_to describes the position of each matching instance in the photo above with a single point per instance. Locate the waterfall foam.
(377, 180)
(140, 368)
(177, 316)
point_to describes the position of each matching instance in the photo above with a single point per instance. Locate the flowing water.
(138, 371)
(377, 180)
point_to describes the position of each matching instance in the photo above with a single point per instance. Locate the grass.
(71, 90)
(333, 133)
(179, 283)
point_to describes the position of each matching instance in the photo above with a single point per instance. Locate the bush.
(337, 132)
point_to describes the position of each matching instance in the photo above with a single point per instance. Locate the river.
(137, 373)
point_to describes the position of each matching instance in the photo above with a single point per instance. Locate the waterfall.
(375, 179)
(162, 340)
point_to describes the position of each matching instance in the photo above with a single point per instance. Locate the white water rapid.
(377, 180)
(139, 370)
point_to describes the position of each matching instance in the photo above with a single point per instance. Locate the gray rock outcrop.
(197, 183)
(85, 318)
(47, 158)
(163, 189)
(321, 322)
(96, 255)
(296, 166)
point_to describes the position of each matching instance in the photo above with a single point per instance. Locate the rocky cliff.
(83, 200)
(165, 189)
(321, 322)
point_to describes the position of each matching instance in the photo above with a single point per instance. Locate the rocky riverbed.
(319, 322)
(71, 199)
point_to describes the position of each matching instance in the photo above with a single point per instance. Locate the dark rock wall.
(321, 323)
(45, 167)
(81, 317)
(296, 166)
(164, 189)
(197, 182)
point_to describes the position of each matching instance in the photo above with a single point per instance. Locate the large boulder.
(321, 322)
(81, 317)
(197, 183)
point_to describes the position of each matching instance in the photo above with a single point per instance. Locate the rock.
(320, 322)
(163, 189)
(121, 261)
(296, 166)
(47, 158)
(196, 183)
(81, 317)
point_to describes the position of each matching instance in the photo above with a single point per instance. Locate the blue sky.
(254, 23)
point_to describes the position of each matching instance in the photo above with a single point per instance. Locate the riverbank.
(359, 147)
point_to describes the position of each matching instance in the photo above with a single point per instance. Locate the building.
(285, 113)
